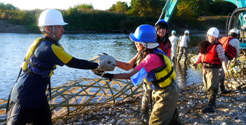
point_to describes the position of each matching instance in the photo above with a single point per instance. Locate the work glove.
(195, 66)
(106, 75)
(106, 63)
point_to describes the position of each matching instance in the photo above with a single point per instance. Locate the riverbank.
(229, 110)
(11, 28)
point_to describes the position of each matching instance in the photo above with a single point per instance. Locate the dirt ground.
(10, 28)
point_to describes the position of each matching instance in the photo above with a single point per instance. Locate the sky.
(61, 4)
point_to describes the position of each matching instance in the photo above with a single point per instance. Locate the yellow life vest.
(161, 76)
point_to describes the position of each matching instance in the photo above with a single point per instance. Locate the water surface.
(84, 46)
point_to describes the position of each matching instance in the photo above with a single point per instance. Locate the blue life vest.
(36, 66)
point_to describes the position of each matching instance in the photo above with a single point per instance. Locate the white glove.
(106, 63)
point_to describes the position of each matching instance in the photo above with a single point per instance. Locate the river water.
(84, 46)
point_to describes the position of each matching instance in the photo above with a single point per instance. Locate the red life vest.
(230, 51)
(210, 59)
(165, 48)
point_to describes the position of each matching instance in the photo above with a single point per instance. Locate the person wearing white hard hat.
(183, 46)
(28, 102)
(144, 65)
(212, 57)
(244, 17)
(174, 41)
(231, 44)
(244, 25)
(231, 47)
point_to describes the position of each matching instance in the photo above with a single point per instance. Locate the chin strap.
(53, 34)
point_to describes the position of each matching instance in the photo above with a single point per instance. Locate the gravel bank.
(230, 109)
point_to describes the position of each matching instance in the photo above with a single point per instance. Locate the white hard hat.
(173, 31)
(51, 17)
(213, 32)
(187, 31)
(233, 31)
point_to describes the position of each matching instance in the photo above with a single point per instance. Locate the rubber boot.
(179, 58)
(145, 105)
(145, 116)
(175, 119)
(185, 60)
(211, 104)
(174, 59)
(223, 90)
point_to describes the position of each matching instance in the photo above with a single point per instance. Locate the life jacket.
(210, 59)
(161, 76)
(165, 48)
(35, 66)
(230, 51)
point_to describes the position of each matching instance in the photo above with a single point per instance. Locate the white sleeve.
(235, 44)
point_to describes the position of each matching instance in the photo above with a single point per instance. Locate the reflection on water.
(182, 74)
(84, 46)
(186, 75)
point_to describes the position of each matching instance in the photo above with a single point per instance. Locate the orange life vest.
(210, 59)
(230, 51)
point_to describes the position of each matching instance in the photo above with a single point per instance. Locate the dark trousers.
(19, 115)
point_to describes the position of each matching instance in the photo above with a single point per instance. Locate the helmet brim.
(149, 45)
(53, 24)
(152, 45)
(132, 37)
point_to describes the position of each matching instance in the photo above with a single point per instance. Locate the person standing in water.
(174, 42)
(183, 46)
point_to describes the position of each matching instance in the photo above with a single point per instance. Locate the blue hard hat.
(144, 33)
(162, 21)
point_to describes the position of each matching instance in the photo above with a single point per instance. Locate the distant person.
(211, 55)
(242, 31)
(183, 46)
(28, 102)
(161, 28)
(244, 26)
(149, 59)
(174, 42)
(231, 47)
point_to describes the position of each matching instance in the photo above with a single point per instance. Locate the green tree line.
(121, 17)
